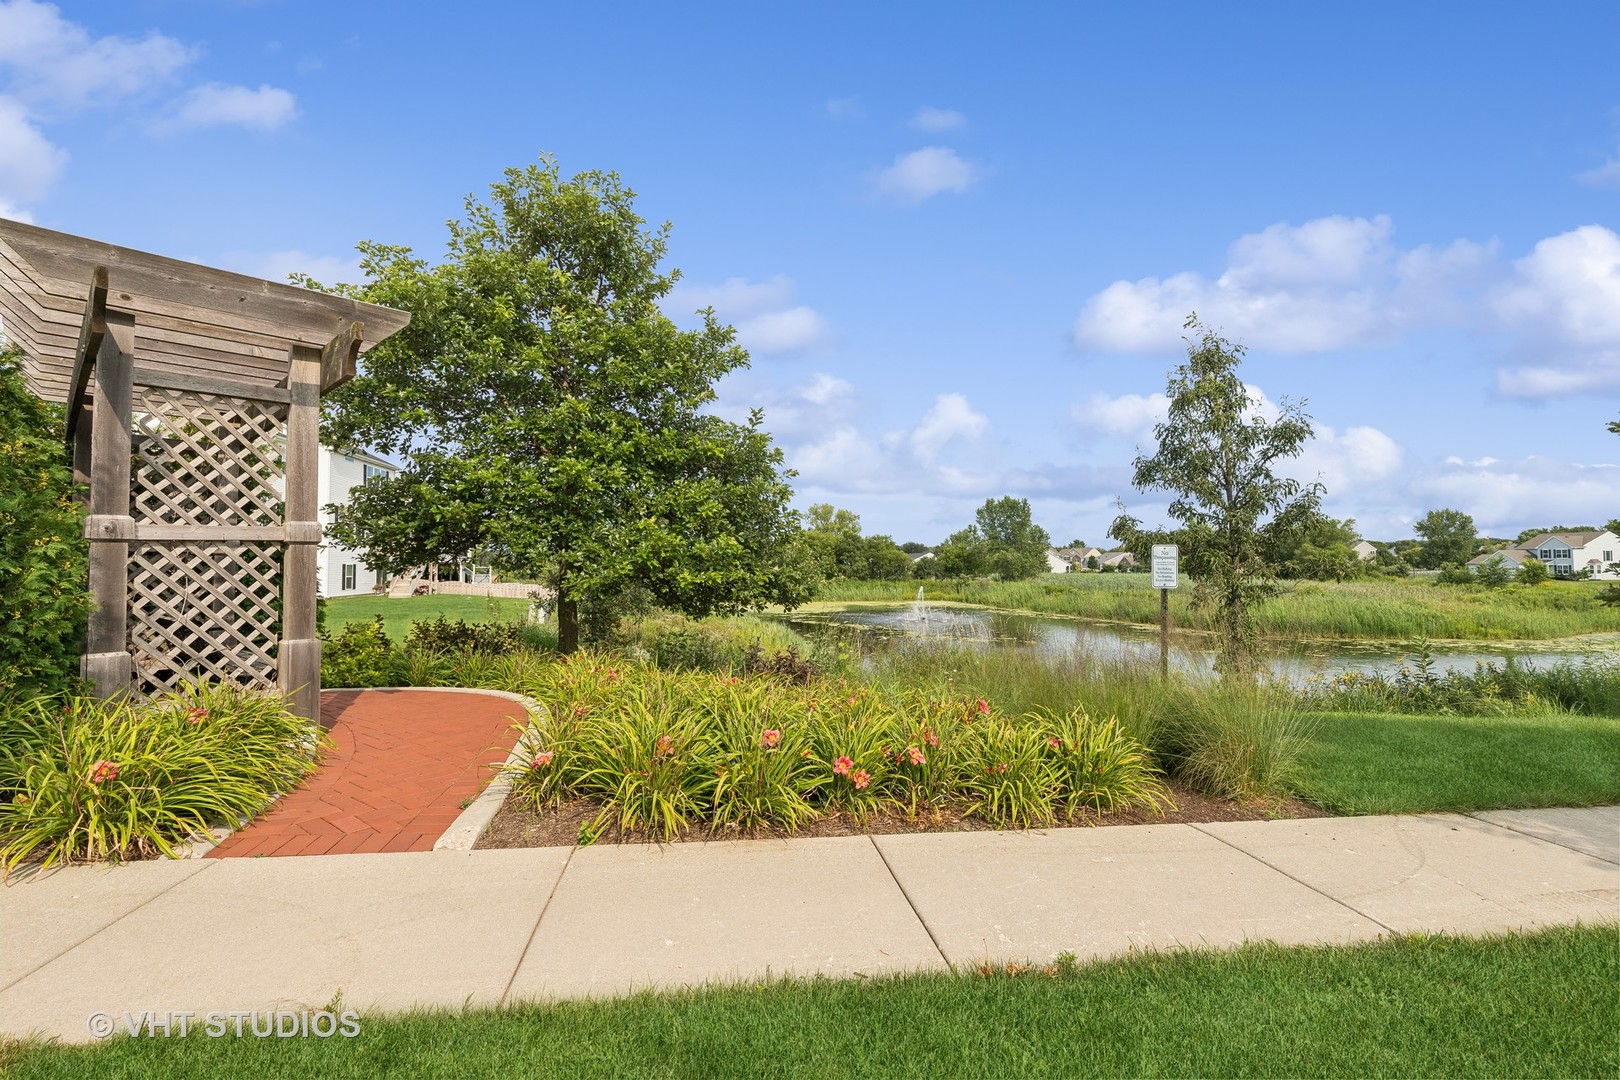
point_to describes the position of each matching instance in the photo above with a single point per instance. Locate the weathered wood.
(202, 384)
(106, 663)
(91, 331)
(258, 534)
(83, 442)
(338, 357)
(300, 650)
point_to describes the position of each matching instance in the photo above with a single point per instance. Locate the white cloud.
(929, 118)
(924, 173)
(1129, 416)
(950, 418)
(1563, 303)
(276, 266)
(58, 66)
(219, 105)
(764, 313)
(1505, 496)
(1606, 175)
(1326, 284)
(844, 108)
(29, 164)
(1347, 463)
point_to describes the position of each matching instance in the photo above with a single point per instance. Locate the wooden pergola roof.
(195, 321)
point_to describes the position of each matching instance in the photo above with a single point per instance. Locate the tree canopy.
(1217, 455)
(1449, 538)
(547, 409)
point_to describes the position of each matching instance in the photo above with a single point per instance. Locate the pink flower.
(982, 706)
(666, 746)
(930, 738)
(771, 738)
(196, 716)
(852, 699)
(1055, 743)
(103, 772)
(916, 756)
(861, 778)
(842, 766)
(543, 758)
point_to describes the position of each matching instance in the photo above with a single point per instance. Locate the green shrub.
(1098, 767)
(1010, 780)
(443, 635)
(44, 592)
(362, 655)
(82, 779)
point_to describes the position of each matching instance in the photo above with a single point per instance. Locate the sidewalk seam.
(534, 933)
(1475, 814)
(102, 930)
(912, 904)
(1325, 895)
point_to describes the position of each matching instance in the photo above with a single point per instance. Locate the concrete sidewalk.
(445, 928)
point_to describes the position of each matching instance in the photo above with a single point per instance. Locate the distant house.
(921, 556)
(1056, 563)
(1512, 558)
(339, 571)
(1363, 550)
(1119, 560)
(1072, 558)
(1569, 553)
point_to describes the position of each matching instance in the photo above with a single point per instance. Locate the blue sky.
(960, 242)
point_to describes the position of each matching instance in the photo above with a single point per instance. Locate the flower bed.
(82, 779)
(662, 751)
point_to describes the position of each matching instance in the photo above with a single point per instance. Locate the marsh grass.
(1390, 609)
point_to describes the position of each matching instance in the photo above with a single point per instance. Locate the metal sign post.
(1165, 566)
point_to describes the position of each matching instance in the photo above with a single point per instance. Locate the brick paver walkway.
(405, 762)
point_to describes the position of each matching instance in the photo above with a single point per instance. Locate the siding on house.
(339, 571)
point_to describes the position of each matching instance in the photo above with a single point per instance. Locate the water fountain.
(919, 608)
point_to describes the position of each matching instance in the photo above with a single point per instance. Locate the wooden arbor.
(193, 398)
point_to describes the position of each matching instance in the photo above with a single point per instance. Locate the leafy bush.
(1590, 686)
(362, 655)
(44, 595)
(83, 779)
(442, 635)
(1098, 767)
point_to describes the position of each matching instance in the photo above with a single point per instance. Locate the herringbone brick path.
(405, 762)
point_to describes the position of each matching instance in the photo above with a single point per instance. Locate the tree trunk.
(567, 624)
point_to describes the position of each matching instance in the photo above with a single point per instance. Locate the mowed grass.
(1387, 763)
(1542, 1004)
(398, 613)
(1385, 609)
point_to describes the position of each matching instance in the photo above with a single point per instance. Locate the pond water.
(872, 629)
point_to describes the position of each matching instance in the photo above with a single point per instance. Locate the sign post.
(1165, 566)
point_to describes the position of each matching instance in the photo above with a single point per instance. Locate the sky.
(959, 242)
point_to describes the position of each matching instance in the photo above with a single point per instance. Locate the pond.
(871, 629)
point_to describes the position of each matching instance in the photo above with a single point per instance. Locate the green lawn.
(1386, 763)
(1543, 1004)
(399, 613)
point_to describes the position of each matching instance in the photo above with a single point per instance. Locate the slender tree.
(546, 408)
(1217, 456)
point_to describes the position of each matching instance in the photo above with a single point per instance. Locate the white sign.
(1165, 558)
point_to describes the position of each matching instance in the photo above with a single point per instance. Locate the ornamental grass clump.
(88, 780)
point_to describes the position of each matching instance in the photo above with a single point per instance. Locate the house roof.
(189, 319)
(1514, 554)
(1573, 539)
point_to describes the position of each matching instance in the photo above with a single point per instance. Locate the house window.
(348, 577)
(1608, 556)
(373, 472)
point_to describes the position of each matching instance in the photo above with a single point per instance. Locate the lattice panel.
(205, 459)
(204, 610)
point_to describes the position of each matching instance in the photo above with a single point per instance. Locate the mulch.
(517, 826)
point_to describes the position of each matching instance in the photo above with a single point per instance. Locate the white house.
(1568, 553)
(339, 571)
(1363, 550)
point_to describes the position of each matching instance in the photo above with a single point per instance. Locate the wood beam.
(106, 664)
(338, 357)
(299, 652)
(91, 332)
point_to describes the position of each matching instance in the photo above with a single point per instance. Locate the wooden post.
(1164, 633)
(109, 528)
(299, 656)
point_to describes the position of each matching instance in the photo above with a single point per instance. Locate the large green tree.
(1217, 456)
(1013, 546)
(838, 550)
(548, 410)
(1449, 538)
(44, 593)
